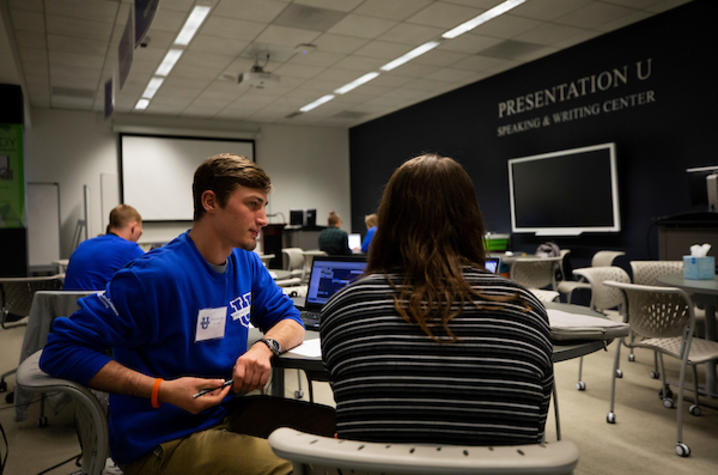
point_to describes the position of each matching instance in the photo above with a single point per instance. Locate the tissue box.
(699, 268)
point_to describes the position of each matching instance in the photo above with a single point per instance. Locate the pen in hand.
(209, 390)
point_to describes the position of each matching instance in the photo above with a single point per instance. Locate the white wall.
(309, 166)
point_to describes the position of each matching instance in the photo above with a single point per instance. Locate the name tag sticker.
(210, 323)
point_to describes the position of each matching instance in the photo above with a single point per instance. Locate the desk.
(702, 292)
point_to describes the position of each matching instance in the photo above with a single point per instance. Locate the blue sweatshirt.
(96, 260)
(168, 314)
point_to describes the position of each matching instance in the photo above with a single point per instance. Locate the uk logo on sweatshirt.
(241, 307)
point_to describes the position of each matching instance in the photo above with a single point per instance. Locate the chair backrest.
(535, 273)
(91, 416)
(603, 297)
(16, 292)
(605, 258)
(648, 272)
(657, 311)
(314, 454)
(293, 258)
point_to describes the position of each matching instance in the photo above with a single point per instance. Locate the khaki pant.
(212, 451)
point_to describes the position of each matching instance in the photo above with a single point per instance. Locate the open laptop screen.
(492, 264)
(329, 274)
(354, 240)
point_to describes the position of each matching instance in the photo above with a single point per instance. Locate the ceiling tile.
(188, 71)
(252, 10)
(211, 44)
(76, 45)
(413, 69)
(469, 43)
(338, 43)
(79, 28)
(394, 10)
(29, 39)
(550, 34)
(211, 62)
(623, 21)
(479, 63)
(360, 63)
(411, 34)
(230, 28)
(579, 38)
(548, 9)
(169, 20)
(634, 3)
(439, 57)
(34, 62)
(96, 10)
(28, 20)
(594, 15)
(61, 58)
(317, 58)
(296, 70)
(506, 26)
(382, 49)
(308, 17)
(282, 35)
(32, 5)
(341, 5)
(362, 26)
(664, 5)
(444, 15)
(451, 75)
(179, 5)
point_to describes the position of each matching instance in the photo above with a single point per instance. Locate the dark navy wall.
(655, 141)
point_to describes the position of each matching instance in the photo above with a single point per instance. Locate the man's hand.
(179, 392)
(252, 369)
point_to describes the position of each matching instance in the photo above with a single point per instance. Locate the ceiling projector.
(259, 78)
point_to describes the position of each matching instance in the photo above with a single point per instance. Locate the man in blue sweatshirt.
(96, 260)
(177, 321)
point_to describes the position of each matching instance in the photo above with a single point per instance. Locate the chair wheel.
(654, 374)
(3, 386)
(682, 450)
(667, 402)
(695, 410)
(611, 418)
(298, 394)
(42, 421)
(581, 386)
(10, 397)
(665, 392)
(631, 357)
(619, 373)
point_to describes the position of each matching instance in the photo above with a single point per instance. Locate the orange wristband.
(154, 399)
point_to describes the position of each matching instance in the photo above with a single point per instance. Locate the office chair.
(603, 299)
(537, 273)
(293, 261)
(664, 319)
(15, 302)
(90, 412)
(599, 259)
(312, 454)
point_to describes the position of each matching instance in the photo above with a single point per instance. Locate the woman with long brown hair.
(428, 346)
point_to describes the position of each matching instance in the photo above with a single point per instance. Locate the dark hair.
(222, 174)
(121, 216)
(429, 227)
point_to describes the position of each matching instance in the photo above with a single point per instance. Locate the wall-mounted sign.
(12, 180)
(572, 92)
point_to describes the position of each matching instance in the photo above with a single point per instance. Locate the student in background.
(177, 320)
(429, 347)
(332, 240)
(370, 221)
(96, 260)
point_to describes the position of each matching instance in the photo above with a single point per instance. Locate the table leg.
(277, 381)
(711, 335)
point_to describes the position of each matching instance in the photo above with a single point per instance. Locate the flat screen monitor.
(566, 192)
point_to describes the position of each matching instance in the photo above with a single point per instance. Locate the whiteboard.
(157, 171)
(43, 224)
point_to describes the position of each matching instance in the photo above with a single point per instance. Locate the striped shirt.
(393, 383)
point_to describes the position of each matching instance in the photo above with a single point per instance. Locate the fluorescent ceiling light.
(356, 83)
(317, 103)
(169, 62)
(142, 104)
(499, 9)
(418, 51)
(152, 87)
(192, 25)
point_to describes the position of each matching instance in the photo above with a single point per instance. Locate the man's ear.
(209, 201)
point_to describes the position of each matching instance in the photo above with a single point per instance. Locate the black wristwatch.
(272, 345)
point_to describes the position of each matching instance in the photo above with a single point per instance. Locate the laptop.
(354, 241)
(493, 264)
(328, 275)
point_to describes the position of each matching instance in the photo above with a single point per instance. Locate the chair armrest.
(555, 457)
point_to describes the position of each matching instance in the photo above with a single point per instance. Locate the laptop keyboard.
(310, 319)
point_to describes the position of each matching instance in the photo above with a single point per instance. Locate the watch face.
(273, 345)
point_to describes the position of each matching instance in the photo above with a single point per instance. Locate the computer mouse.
(293, 294)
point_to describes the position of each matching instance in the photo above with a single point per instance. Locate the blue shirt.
(367, 239)
(96, 260)
(168, 314)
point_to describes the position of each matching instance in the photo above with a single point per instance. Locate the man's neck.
(208, 244)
